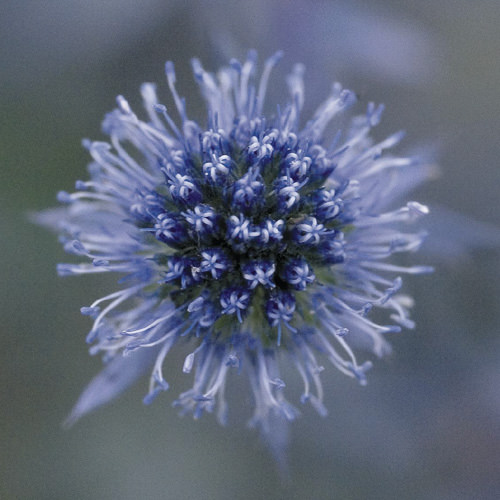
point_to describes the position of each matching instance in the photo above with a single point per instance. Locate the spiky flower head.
(256, 239)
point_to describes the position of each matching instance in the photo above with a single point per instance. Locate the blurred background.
(427, 426)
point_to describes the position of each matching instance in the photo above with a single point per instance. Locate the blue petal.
(118, 375)
(453, 236)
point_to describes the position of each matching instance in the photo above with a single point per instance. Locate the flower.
(255, 240)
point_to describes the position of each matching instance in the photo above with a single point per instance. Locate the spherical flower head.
(258, 239)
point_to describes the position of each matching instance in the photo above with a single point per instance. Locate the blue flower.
(258, 239)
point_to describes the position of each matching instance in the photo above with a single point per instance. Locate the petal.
(118, 375)
(453, 236)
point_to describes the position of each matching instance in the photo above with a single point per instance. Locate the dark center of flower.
(246, 225)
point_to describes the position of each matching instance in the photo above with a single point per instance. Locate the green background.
(427, 426)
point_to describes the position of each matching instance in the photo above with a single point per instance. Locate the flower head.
(255, 239)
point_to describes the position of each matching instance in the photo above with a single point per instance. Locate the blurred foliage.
(427, 425)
